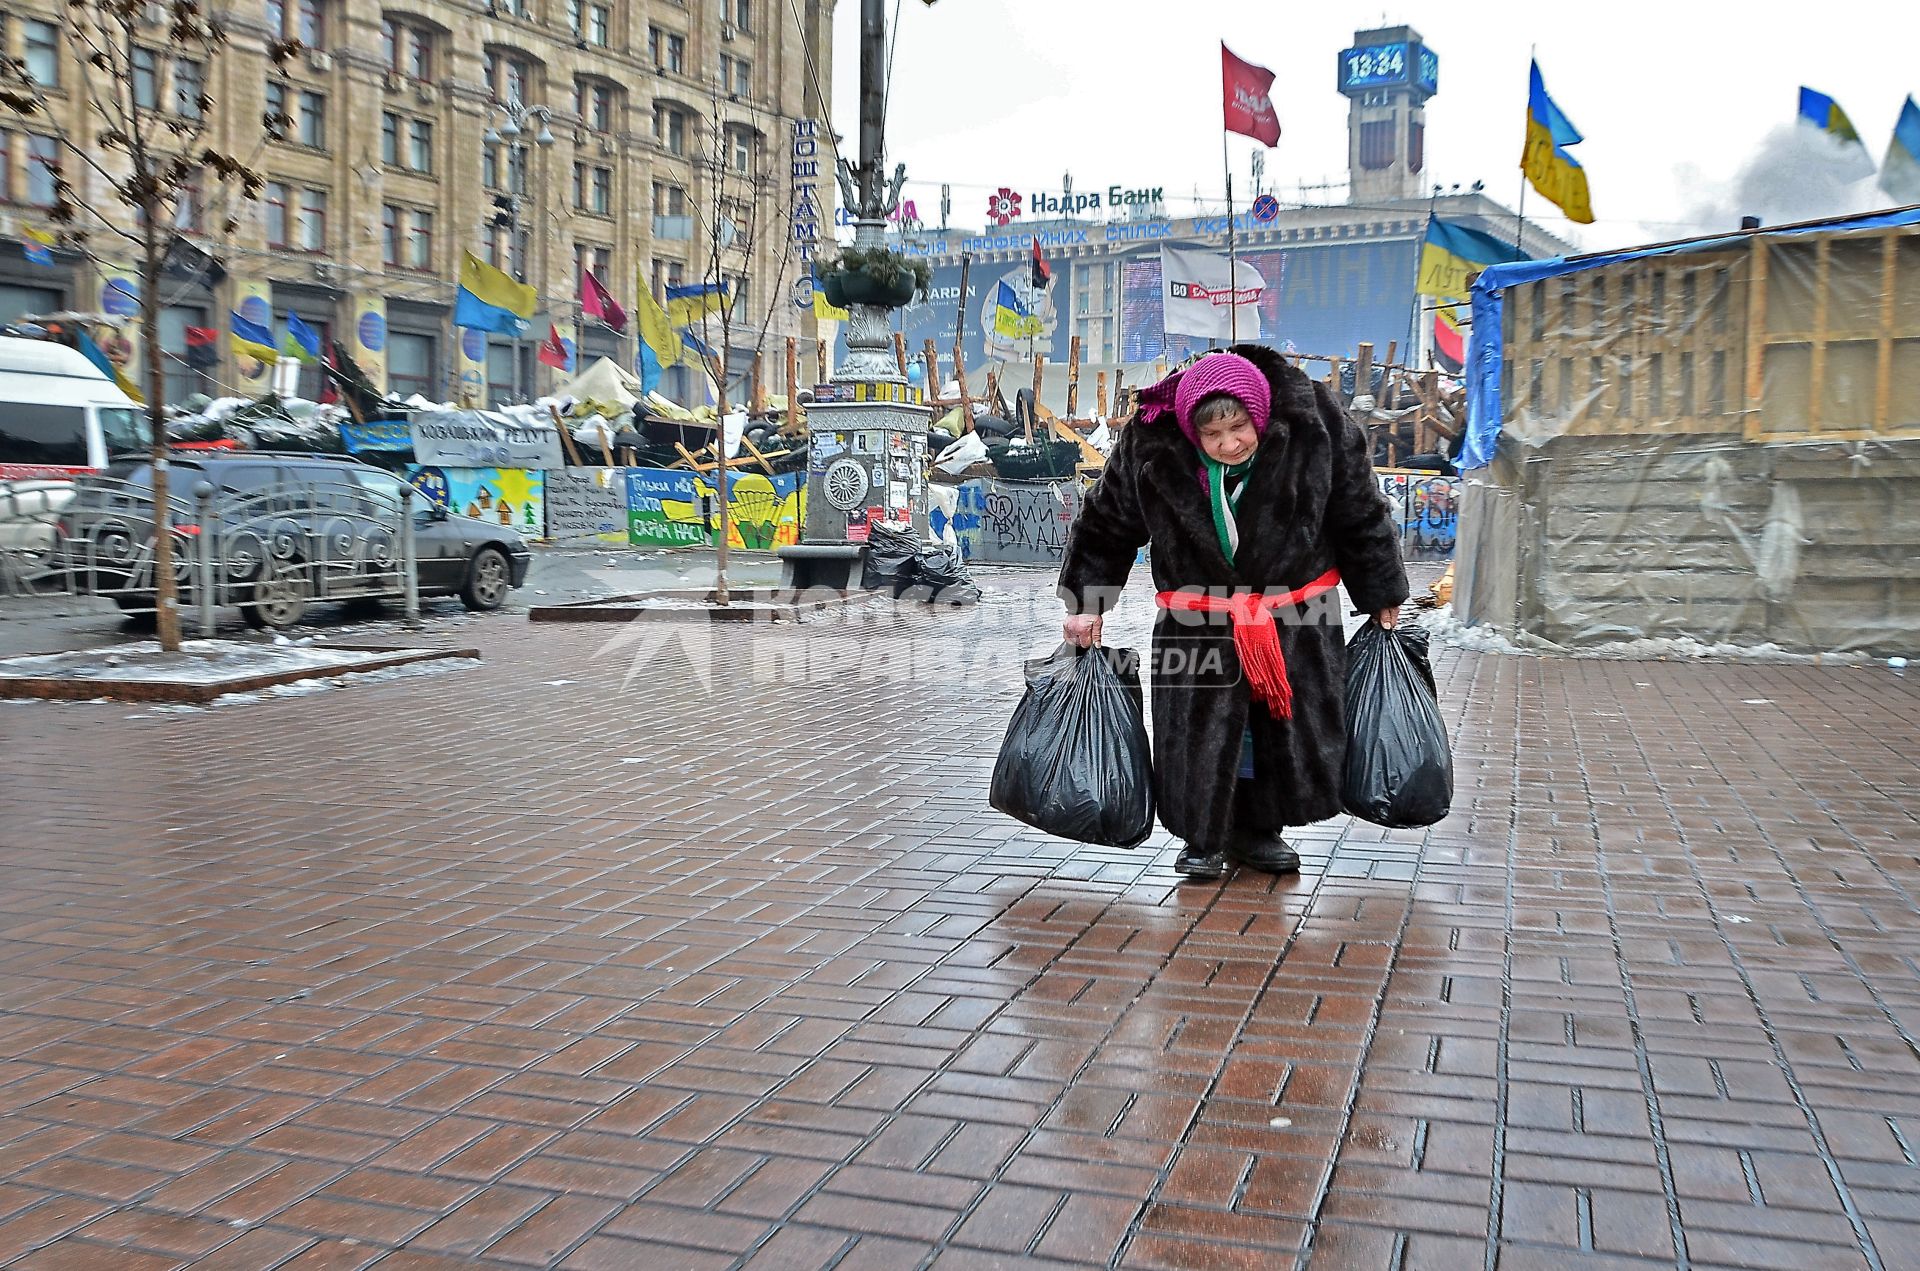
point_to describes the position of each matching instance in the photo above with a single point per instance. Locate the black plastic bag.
(939, 572)
(1399, 766)
(890, 554)
(1075, 761)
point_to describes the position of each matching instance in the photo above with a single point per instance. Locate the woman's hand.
(1388, 618)
(1082, 630)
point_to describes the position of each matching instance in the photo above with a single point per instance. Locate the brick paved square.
(525, 974)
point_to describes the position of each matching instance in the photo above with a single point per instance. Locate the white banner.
(1198, 301)
(482, 439)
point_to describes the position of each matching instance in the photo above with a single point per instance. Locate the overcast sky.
(1681, 101)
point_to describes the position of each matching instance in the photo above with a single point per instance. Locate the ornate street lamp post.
(515, 119)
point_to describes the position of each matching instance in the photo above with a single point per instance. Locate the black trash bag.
(1075, 761)
(890, 554)
(1399, 766)
(939, 572)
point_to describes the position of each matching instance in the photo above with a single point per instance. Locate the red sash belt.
(1255, 638)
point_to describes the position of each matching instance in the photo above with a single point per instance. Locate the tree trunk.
(166, 595)
(720, 596)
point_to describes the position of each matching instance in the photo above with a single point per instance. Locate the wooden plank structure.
(1722, 443)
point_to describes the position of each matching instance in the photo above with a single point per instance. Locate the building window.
(420, 145)
(276, 214)
(407, 50)
(508, 77)
(669, 200)
(146, 79)
(490, 167)
(390, 138)
(735, 73)
(602, 200)
(189, 85)
(410, 364)
(740, 148)
(406, 238)
(667, 273)
(594, 104)
(420, 242)
(517, 170)
(669, 51)
(312, 120)
(576, 21)
(277, 121)
(1376, 145)
(277, 17)
(1416, 146)
(43, 163)
(313, 24)
(743, 14)
(43, 53)
(599, 24)
(670, 128)
(313, 221)
(598, 260)
(186, 209)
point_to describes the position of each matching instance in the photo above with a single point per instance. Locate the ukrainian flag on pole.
(491, 301)
(1822, 112)
(252, 339)
(1900, 173)
(1452, 254)
(1556, 174)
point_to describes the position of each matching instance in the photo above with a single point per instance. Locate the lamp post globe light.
(514, 120)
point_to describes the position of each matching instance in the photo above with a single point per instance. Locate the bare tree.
(740, 209)
(138, 154)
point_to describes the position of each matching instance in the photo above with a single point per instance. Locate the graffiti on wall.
(1015, 523)
(1427, 507)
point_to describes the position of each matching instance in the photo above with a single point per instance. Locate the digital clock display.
(1389, 66)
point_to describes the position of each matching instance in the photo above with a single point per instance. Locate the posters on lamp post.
(367, 338)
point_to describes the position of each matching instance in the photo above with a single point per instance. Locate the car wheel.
(279, 597)
(489, 579)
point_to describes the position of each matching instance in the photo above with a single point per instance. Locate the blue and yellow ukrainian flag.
(301, 342)
(1822, 112)
(690, 302)
(823, 310)
(489, 300)
(659, 348)
(1900, 173)
(1556, 174)
(252, 339)
(1452, 254)
(1012, 319)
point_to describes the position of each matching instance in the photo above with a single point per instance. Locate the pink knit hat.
(1215, 373)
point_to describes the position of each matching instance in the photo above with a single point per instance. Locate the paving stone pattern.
(421, 974)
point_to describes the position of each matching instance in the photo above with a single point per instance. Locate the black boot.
(1200, 864)
(1265, 851)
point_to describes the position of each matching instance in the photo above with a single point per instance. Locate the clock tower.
(1387, 77)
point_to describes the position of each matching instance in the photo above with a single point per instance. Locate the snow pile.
(1448, 629)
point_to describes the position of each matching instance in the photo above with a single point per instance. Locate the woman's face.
(1230, 438)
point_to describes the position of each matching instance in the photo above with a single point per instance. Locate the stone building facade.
(646, 128)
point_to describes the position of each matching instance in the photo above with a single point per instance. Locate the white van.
(59, 417)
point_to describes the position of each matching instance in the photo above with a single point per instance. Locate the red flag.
(1042, 272)
(1245, 96)
(553, 352)
(597, 302)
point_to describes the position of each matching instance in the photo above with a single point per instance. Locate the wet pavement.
(562, 960)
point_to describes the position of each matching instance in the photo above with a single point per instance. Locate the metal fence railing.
(270, 550)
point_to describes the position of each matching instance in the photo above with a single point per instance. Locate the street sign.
(1266, 208)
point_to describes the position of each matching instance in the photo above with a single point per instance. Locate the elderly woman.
(1257, 496)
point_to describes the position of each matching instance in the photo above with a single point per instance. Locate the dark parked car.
(286, 530)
